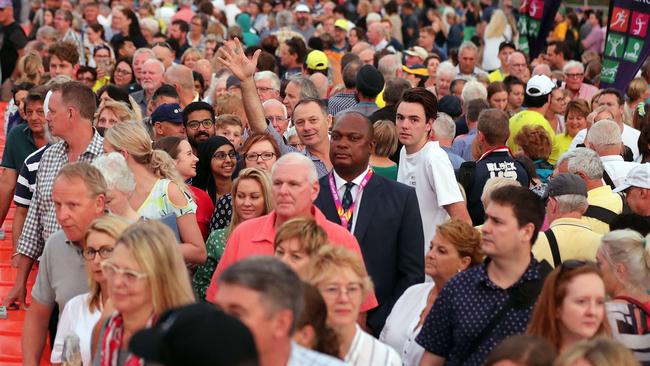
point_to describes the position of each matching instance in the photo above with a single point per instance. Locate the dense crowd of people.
(244, 182)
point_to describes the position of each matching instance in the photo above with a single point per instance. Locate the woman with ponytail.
(159, 188)
(624, 258)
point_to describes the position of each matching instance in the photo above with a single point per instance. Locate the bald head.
(360, 46)
(321, 83)
(204, 68)
(180, 75)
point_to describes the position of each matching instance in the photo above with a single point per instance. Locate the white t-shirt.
(430, 172)
(400, 329)
(630, 137)
(76, 319)
(617, 168)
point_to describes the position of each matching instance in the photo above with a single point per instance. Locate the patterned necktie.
(347, 200)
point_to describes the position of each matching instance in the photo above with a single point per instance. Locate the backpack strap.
(608, 180)
(466, 175)
(600, 213)
(635, 302)
(555, 250)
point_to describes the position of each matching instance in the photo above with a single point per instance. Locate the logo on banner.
(536, 9)
(639, 23)
(633, 50)
(620, 18)
(615, 45)
(608, 73)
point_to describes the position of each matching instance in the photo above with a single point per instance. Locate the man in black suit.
(382, 214)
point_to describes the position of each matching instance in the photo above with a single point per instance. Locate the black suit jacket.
(389, 232)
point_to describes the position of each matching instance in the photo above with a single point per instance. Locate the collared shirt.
(605, 198)
(367, 350)
(256, 236)
(455, 159)
(321, 168)
(340, 189)
(630, 137)
(575, 240)
(41, 219)
(20, 144)
(476, 72)
(585, 92)
(465, 306)
(339, 102)
(381, 45)
(462, 145)
(617, 168)
(26, 183)
(302, 356)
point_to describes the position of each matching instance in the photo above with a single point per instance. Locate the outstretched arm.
(232, 56)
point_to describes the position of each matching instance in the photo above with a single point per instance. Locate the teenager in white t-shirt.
(424, 165)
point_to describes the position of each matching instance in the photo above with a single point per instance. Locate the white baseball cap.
(301, 8)
(637, 177)
(539, 85)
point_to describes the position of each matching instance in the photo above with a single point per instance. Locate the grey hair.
(473, 90)
(388, 66)
(629, 248)
(444, 127)
(467, 45)
(604, 133)
(284, 18)
(157, 62)
(446, 68)
(115, 171)
(146, 50)
(278, 285)
(307, 87)
(275, 81)
(572, 64)
(297, 159)
(151, 25)
(571, 203)
(275, 101)
(47, 32)
(582, 159)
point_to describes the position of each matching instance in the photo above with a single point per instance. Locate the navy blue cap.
(172, 113)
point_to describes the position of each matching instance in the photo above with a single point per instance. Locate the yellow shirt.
(559, 32)
(605, 198)
(563, 142)
(531, 118)
(575, 240)
(381, 103)
(496, 75)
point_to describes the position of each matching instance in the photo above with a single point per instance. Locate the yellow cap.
(317, 60)
(341, 23)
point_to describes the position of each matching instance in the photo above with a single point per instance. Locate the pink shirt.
(256, 236)
(185, 14)
(585, 92)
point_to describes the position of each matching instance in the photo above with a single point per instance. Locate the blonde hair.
(629, 248)
(264, 180)
(190, 51)
(497, 25)
(112, 226)
(91, 176)
(153, 246)
(134, 138)
(599, 351)
(385, 138)
(121, 110)
(310, 235)
(330, 260)
(493, 184)
(30, 68)
(636, 88)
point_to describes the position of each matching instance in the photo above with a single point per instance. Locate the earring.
(458, 270)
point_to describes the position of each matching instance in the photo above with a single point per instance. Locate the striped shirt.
(26, 184)
(367, 350)
(41, 220)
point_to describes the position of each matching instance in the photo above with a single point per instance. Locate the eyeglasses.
(334, 291)
(575, 76)
(104, 253)
(267, 155)
(162, 44)
(296, 145)
(122, 71)
(220, 155)
(194, 124)
(130, 277)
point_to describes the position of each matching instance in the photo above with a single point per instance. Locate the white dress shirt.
(617, 168)
(340, 189)
(630, 137)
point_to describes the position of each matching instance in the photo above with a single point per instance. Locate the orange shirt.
(255, 237)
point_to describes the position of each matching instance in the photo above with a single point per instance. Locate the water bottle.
(71, 355)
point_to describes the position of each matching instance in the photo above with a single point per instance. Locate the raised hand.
(231, 55)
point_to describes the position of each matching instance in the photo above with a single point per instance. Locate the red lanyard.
(344, 215)
(496, 149)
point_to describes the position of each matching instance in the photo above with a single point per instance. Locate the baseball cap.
(505, 44)
(566, 183)
(637, 177)
(317, 60)
(417, 51)
(232, 81)
(419, 70)
(539, 85)
(450, 104)
(168, 113)
(370, 81)
(6, 4)
(301, 8)
(342, 23)
(197, 334)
